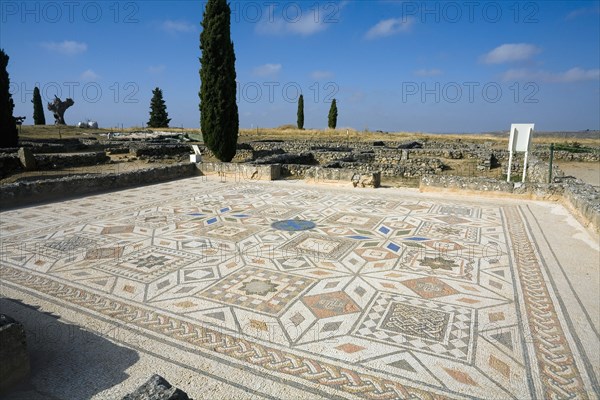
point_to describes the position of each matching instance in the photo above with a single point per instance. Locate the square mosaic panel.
(148, 265)
(69, 245)
(363, 221)
(277, 212)
(447, 231)
(227, 231)
(318, 246)
(443, 330)
(258, 289)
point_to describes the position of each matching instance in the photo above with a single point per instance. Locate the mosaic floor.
(344, 293)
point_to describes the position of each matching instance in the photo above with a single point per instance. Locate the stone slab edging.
(241, 172)
(26, 193)
(581, 198)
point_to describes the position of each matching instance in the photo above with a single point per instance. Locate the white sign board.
(196, 149)
(520, 137)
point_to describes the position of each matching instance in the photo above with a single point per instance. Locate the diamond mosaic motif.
(429, 287)
(331, 304)
(386, 296)
(318, 246)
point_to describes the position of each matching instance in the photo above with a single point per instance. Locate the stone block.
(157, 388)
(27, 159)
(14, 365)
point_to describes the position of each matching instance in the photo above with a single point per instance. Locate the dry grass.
(288, 132)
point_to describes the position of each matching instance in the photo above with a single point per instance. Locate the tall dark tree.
(159, 118)
(219, 118)
(38, 110)
(9, 136)
(301, 112)
(333, 114)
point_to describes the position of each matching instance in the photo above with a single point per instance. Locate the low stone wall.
(294, 170)
(242, 172)
(568, 156)
(22, 193)
(60, 161)
(343, 176)
(583, 199)
(465, 183)
(161, 150)
(538, 171)
(9, 164)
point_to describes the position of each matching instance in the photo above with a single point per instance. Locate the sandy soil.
(586, 171)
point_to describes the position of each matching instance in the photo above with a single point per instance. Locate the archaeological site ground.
(315, 265)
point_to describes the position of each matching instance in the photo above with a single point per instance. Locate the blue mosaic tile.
(223, 210)
(196, 214)
(211, 221)
(293, 225)
(241, 215)
(393, 247)
(384, 230)
(416, 238)
(358, 237)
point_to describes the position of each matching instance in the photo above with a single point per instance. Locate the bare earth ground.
(586, 171)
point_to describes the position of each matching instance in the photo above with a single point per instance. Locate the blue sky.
(391, 65)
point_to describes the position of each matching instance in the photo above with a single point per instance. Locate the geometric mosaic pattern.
(427, 326)
(258, 290)
(381, 297)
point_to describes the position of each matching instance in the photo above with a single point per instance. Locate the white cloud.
(267, 70)
(172, 26)
(68, 47)
(389, 27)
(574, 74)
(510, 52)
(303, 23)
(89, 75)
(582, 11)
(156, 69)
(428, 72)
(317, 75)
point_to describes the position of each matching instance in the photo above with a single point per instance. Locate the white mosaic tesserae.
(335, 292)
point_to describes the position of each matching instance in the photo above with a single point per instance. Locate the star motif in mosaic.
(227, 231)
(354, 220)
(318, 246)
(148, 264)
(258, 289)
(388, 296)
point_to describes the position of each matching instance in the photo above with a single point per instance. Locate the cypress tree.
(219, 120)
(9, 136)
(333, 114)
(159, 118)
(301, 112)
(38, 110)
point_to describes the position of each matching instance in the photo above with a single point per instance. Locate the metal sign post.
(519, 141)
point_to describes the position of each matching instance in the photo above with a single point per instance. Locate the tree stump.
(58, 108)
